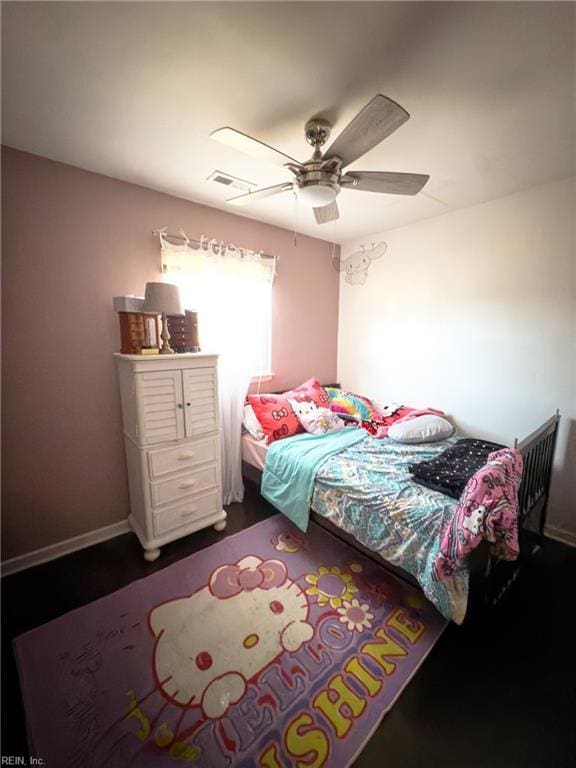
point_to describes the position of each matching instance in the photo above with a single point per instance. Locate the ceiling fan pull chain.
(295, 220)
(333, 238)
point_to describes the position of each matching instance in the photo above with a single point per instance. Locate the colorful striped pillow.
(354, 405)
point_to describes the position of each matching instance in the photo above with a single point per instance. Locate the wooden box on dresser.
(172, 440)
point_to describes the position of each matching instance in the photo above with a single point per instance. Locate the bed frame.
(490, 584)
(490, 579)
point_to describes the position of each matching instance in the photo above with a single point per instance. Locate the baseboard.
(44, 555)
(559, 534)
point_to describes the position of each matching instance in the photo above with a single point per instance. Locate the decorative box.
(183, 331)
(137, 330)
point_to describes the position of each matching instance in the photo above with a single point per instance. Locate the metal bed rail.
(538, 453)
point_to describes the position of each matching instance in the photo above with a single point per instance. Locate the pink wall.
(71, 241)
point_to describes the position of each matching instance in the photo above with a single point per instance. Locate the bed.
(405, 519)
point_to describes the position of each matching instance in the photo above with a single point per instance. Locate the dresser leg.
(219, 526)
(151, 554)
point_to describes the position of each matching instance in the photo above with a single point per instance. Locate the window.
(233, 298)
(262, 330)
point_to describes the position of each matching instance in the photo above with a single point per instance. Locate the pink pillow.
(275, 413)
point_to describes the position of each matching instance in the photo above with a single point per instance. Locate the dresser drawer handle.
(188, 484)
(188, 514)
(186, 456)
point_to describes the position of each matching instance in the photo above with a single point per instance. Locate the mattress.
(367, 491)
(254, 451)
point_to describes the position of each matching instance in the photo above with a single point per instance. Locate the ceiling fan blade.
(327, 213)
(259, 194)
(382, 181)
(377, 120)
(250, 146)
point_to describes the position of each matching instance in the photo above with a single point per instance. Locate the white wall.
(474, 312)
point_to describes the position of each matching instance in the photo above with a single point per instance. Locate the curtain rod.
(208, 242)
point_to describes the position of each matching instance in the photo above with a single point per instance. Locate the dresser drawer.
(162, 461)
(165, 491)
(184, 513)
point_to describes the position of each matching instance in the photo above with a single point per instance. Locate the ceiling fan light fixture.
(317, 195)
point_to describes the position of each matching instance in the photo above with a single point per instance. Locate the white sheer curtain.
(230, 291)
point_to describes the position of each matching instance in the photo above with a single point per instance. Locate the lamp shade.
(162, 297)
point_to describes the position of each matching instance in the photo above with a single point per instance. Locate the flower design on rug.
(289, 542)
(355, 616)
(331, 585)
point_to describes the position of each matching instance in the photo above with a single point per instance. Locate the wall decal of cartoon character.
(250, 613)
(357, 264)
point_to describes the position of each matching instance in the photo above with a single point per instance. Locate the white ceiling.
(132, 90)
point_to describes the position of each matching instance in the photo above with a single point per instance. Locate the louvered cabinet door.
(161, 411)
(200, 400)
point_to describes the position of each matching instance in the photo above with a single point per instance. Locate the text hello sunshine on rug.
(268, 649)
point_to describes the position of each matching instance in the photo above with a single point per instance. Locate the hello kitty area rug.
(267, 650)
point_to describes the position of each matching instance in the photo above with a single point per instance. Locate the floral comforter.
(367, 491)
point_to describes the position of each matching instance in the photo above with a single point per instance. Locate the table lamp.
(163, 299)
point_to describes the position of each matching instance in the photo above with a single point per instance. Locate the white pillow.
(251, 424)
(320, 421)
(422, 429)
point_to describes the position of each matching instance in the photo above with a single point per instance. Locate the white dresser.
(172, 439)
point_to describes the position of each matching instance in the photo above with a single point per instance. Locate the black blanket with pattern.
(449, 472)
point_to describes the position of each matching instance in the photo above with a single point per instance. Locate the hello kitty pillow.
(317, 421)
(276, 415)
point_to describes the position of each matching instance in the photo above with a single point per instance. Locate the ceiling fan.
(318, 181)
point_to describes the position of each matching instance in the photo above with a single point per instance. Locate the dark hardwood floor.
(499, 692)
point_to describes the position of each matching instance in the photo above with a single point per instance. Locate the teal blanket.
(291, 466)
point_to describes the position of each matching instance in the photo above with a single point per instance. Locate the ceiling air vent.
(231, 181)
